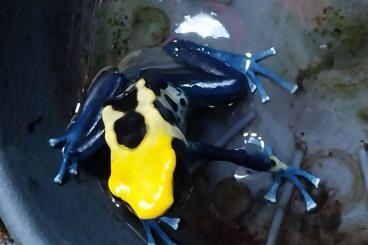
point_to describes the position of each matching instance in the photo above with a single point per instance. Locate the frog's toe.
(56, 142)
(264, 54)
(311, 178)
(271, 194)
(172, 222)
(73, 168)
(258, 84)
(153, 225)
(148, 231)
(309, 202)
(58, 179)
(268, 73)
(69, 162)
(291, 174)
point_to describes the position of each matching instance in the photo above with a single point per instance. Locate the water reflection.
(205, 25)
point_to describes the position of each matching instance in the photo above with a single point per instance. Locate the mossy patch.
(339, 31)
(341, 36)
(346, 89)
(125, 26)
(151, 26)
(362, 113)
(314, 69)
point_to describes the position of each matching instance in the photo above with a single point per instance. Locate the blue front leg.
(153, 225)
(242, 67)
(85, 134)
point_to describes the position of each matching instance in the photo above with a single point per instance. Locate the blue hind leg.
(203, 89)
(241, 67)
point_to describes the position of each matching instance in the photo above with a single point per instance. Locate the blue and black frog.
(143, 120)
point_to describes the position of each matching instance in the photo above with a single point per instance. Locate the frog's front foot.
(153, 225)
(68, 161)
(252, 68)
(291, 173)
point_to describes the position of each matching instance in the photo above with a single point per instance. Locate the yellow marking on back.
(143, 177)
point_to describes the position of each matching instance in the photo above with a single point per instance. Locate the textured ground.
(321, 46)
(4, 235)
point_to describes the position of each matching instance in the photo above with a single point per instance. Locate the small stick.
(282, 204)
(225, 138)
(364, 164)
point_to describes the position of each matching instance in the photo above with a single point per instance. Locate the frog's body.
(134, 136)
(143, 121)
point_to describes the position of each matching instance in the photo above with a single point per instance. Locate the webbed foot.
(280, 170)
(291, 174)
(252, 68)
(153, 225)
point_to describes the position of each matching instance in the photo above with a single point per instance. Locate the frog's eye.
(256, 140)
(130, 129)
(124, 102)
(253, 138)
(273, 162)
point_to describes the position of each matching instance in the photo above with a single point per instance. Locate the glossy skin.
(144, 121)
(85, 135)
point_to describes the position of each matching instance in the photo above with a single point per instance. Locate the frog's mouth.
(147, 187)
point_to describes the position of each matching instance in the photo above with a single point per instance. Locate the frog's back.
(139, 130)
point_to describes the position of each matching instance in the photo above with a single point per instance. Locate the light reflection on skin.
(204, 25)
(211, 85)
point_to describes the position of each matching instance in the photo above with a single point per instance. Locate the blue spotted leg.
(153, 225)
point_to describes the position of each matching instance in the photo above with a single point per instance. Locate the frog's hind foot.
(291, 173)
(252, 68)
(172, 222)
(153, 225)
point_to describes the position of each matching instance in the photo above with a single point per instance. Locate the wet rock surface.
(231, 199)
(321, 45)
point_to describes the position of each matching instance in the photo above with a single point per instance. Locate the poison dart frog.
(143, 121)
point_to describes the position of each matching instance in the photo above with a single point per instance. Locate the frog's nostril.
(273, 163)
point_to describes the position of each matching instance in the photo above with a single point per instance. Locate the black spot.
(179, 146)
(156, 85)
(33, 184)
(179, 91)
(130, 129)
(182, 102)
(127, 102)
(32, 124)
(165, 112)
(171, 102)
